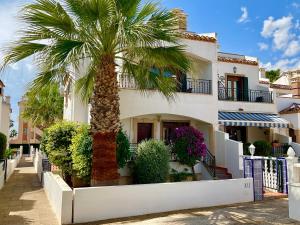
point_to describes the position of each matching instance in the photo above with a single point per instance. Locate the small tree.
(273, 75)
(56, 145)
(189, 146)
(13, 133)
(45, 106)
(3, 142)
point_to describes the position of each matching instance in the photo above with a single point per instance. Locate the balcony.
(199, 86)
(233, 94)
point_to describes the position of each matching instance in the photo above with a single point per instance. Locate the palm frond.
(21, 50)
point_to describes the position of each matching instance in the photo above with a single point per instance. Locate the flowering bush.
(189, 145)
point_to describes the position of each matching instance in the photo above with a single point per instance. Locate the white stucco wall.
(250, 71)
(204, 50)
(5, 118)
(60, 196)
(233, 106)
(198, 106)
(100, 203)
(294, 119)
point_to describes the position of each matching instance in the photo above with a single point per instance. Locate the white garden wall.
(100, 203)
(12, 164)
(229, 154)
(296, 148)
(2, 174)
(37, 162)
(234, 160)
(60, 197)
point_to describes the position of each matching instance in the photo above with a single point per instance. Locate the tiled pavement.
(269, 212)
(23, 200)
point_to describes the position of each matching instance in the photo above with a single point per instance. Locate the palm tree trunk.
(105, 124)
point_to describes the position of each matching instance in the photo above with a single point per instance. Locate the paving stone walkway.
(23, 200)
(269, 212)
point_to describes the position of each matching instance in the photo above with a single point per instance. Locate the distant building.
(5, 111)
(28, 135)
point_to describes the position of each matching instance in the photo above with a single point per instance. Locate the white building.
(5, 111)
(221, 92)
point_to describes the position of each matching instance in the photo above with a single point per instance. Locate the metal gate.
(269, 174)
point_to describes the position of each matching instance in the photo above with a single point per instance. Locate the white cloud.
(279, 30)
(293, 48)
(297, 25)
(244, 16)
(262, 46)
(283, 64)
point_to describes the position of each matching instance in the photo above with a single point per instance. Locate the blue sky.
(267, 29)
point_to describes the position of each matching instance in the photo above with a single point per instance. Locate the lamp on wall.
(252, 150)
(234, 69)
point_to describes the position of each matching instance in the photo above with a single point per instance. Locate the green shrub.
(262, 148)
(8, 153)
(246, 148)
(3, 142)
(123, 149)
(81, 149)
(152, 162)
(56, 144)
(176, 176)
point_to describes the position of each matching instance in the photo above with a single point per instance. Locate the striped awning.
(252, 120)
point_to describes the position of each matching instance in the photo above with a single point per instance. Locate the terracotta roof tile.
(237, 60)
(197, 37)
(294, 108)
(264, 82)
(281, 86)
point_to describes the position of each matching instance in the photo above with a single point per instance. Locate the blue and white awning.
(252, 120)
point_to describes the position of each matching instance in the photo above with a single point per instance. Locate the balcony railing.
(200, 86)
(196, 86)
(233, 94)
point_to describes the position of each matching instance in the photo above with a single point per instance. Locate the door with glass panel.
(237, 88)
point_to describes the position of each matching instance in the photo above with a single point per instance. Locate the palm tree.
(97, 38)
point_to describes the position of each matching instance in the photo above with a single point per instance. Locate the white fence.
(100, 203)
(229, 154)
(60, 197)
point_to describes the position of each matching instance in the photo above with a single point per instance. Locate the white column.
(291, 160)
(158, 129)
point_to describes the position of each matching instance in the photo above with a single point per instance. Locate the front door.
(237, 133)
(237, 88)
(144, 131)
